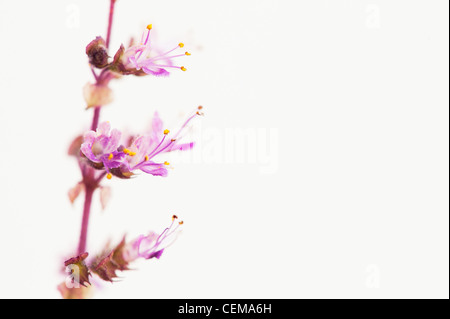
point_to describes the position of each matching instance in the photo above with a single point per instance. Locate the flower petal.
(86, 149)
(155, 171)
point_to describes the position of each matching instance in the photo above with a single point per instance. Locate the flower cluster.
(112, 260)
(139, 59)
(103, 149)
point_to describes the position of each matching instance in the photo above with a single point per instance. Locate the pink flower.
(152, 245)
(144, 57)
(100, 147)
(103, 149)
(144, 149)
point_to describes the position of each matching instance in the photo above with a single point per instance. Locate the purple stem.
(85, 222)
(89, 186)
(95, 118)
(111, 14)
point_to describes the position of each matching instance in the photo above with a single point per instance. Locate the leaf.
(74, 148)
(105, 195)
(75, 191)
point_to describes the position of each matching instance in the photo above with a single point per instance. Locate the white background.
(355, 91)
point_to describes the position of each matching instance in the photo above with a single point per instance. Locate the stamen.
(126, 151)
(181, 223)
(186, 123)
(154, 153)
(181, 45)
(164, 56)
(187, 53)
(149, 27)
(183, 68)
(174, 217)
(166, 132)
(109, 176)
(166, 163)
(146, 158)
(157, 147)
(132, 153)
(166, 66)
(110, 157)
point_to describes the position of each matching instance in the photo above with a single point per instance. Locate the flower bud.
(97, 53)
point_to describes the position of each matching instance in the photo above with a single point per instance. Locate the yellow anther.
(181, 223)
(132, 153)
(166, 132)
(166, 163)
(146, 158)
(109, 176)
(149, 27)
(181, 45)
(174, 217)
(126, 151)
(110, 157)
(183, 68)
(187, 53)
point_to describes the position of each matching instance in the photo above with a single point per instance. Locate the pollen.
(183, 68)
(110, 157)
(166, 132)
(187, 53)
(146, 158)
(109, 176)
(166, 163)
(174, 217)
(149, 27)
(132, 153)
(181, 223)
(126, 151)
(181, 45)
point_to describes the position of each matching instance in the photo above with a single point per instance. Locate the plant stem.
(90, 185)
(96, 116)
(110, 20)
(89, 191)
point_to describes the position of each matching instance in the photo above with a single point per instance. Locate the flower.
(104, 151)
(100, 147)
(151, 245)
(144, 148)
(144, 57)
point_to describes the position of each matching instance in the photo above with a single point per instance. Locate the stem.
(110, 20)
(89, 185)
(96, 116)
(85, 222)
